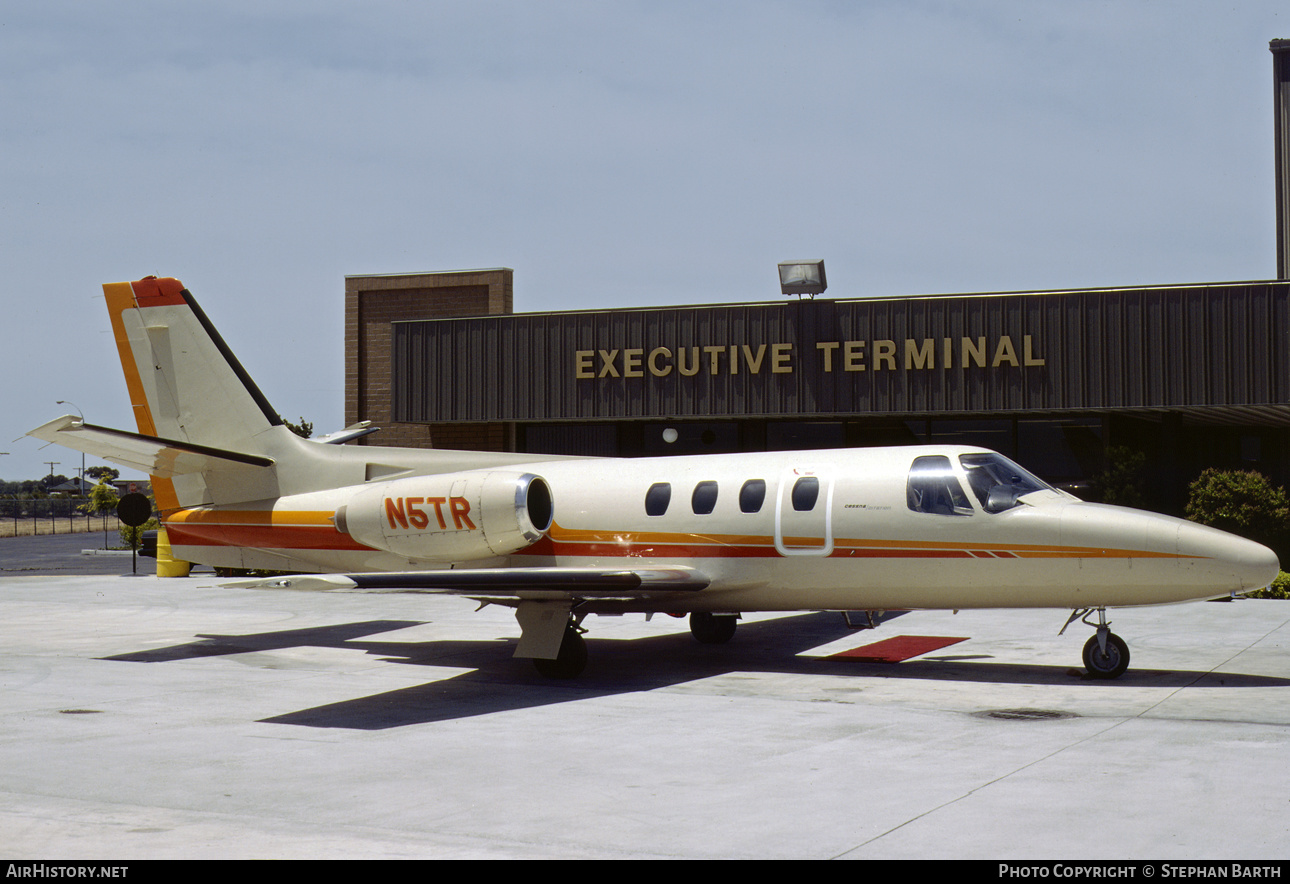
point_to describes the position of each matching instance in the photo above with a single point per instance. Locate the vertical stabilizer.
(185, 384)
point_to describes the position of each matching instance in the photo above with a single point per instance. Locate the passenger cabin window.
(704, 498)
(806, 491)
(998, 482)
(933, 488)
(657, 498)
(752, 495)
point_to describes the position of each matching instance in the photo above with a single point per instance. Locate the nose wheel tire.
(1108, 663)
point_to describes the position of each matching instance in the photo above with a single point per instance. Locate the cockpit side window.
(657, 498)
(933, 488)
(998, 482)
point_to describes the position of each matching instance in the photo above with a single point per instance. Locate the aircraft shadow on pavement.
(339, 636)
(497, 682)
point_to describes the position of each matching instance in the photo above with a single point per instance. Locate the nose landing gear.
(1105, 654)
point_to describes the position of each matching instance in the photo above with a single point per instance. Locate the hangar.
(1188, 376)
(1069, 382)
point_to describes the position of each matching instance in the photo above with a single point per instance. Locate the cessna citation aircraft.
(558, 538)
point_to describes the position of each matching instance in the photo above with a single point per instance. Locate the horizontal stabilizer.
(349, 434)
(501, 583)
(152, 455)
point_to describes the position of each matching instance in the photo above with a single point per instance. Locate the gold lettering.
(920, 354)
(853, 355)
(653, 364)
(714, 362)
(632, 364)
(1004, 352)
(884, 351)
(392, 513)
(781, 356)
(920, 357)
(693, 367)
(828, 347)
(1030, 359)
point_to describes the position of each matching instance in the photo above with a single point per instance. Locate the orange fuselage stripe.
(265, 529)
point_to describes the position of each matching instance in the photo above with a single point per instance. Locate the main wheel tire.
(1110, 664)
(713, 629)
(570, 662)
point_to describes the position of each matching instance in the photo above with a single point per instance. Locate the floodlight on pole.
(802, 277)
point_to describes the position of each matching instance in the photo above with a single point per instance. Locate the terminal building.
(1068, 383)
(1182, 376)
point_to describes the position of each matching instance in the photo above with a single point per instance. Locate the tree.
(103, 499)
(103, 474)
(1121, 482)
(52, 481)
(304, 429)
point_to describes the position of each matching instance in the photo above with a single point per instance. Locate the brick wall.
(371, 304)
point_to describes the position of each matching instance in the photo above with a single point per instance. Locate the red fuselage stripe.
(262, 537)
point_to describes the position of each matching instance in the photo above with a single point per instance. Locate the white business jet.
(863, 530)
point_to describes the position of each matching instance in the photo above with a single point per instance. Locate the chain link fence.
(55, 515)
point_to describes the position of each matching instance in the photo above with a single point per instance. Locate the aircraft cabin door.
(804, 514)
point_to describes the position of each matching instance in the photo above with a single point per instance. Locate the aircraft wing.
(151, 454)
(502, 584)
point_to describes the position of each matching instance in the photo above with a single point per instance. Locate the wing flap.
(151, 454)
(501, 583)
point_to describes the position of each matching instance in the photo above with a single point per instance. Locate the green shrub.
(132, 536)
(1242, 503)
(1280, 589)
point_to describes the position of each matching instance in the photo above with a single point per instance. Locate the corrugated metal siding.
(1180, 347)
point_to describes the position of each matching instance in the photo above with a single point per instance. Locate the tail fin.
(186, 385)
(184, 382)
(207, 435)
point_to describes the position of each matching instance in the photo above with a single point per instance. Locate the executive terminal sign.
(780, 358)
(1167, 347)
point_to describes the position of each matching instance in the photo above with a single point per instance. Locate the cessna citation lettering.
(558, 538)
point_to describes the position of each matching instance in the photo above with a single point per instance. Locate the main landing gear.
(572, 658)
(713, 629)
(1105, 654)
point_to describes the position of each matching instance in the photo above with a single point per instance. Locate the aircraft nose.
(1251, 564)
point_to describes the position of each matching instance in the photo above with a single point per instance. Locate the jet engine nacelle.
(450, 517)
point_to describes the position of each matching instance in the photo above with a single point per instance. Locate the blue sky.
(612, 153)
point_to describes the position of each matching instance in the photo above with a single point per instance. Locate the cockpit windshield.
(998, 482)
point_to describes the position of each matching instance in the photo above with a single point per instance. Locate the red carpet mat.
(898, 648)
